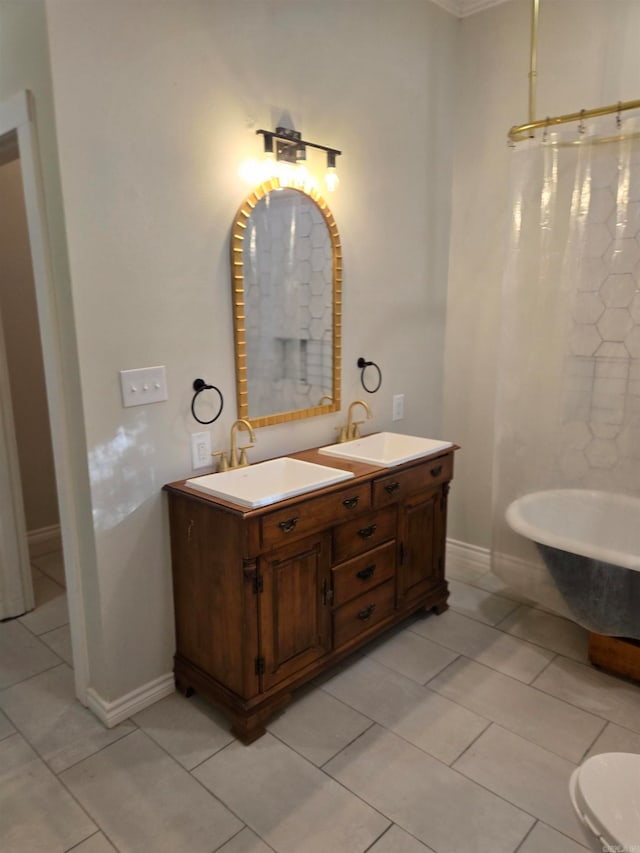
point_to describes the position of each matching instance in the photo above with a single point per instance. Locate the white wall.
(587, 57)
(156, 106)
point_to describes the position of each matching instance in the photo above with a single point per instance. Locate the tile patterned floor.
(454, 734)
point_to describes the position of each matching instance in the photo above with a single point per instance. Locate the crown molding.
(464, 8)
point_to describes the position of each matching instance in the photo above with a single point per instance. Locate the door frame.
(16, 582)
(17, 123)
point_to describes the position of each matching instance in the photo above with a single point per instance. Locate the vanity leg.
(248, 729)
(252, 725)
(183, 688)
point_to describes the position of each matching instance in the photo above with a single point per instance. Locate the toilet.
(605, 793)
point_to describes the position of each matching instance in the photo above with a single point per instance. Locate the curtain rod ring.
(200, 385)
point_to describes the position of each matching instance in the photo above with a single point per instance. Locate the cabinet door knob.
(288, 525)
(390, 488)
(366, 613)
(351, 503)
(366, 532)
(365, 574)
(435, 472)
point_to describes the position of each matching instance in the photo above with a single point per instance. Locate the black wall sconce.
(289, 146)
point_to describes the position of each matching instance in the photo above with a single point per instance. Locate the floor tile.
(478, 603)
(432, 802)
(23, 655)
(482, 578)
(396, 840)
(615, 739)
(411, 655)
(553, 632)
(52, 565)
(544, 839)
(492, 583)
(191, 730)
(429, 721)
(37, 814)
(530, 713)
(59, 641)
(143, 800)
(318, 726)
(245, 841)
(52, 614)
(96, 844)
(464, 570)
(6, 727)
(44, 587)
(288, 802)
(605, 695)
(48, 714)
(526, 775)
(509, 655)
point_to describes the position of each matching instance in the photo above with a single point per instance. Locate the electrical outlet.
(200, 449)
(398, 407)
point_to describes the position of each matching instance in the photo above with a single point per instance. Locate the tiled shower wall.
(600, 441)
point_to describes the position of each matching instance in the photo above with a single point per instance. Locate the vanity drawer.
(311, 514)
(363, 613)
(396, 487)
(357, 576)
(363, 533)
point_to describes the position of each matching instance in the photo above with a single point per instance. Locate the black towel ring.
(198, 386)
(363, 364)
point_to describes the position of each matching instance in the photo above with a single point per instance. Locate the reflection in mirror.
(286, 265)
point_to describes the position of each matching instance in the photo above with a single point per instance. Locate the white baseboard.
(463, 556)
(44, 540)
(112, 713)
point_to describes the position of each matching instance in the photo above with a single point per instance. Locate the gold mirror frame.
(239, 315)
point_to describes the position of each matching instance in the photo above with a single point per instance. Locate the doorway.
(18, 141)
(32, 570)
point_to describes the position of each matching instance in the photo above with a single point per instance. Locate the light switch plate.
(142, 386)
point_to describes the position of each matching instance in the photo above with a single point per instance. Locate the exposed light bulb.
(331, 179)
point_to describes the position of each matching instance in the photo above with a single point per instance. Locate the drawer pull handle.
(288, 525)
(435, 472)
(365, 574)
(351, 503)
(366, 532)
(390, 488)
(366, 613)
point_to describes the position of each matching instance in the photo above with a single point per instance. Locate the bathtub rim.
(537, 534)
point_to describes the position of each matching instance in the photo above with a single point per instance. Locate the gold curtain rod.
(526, 131)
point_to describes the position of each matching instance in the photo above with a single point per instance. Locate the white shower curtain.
(568, 409)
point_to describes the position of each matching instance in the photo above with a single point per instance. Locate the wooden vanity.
(266, 599)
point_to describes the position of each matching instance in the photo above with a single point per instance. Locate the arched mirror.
(286, 275)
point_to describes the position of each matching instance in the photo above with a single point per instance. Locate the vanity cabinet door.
(421, 545)
(295, 619)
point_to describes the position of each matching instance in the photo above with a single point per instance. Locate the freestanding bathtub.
(590, 542)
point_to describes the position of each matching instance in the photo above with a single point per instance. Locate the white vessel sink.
(267, 482)
(385, 448)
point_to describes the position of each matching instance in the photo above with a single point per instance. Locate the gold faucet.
(233, 454)
(353, 427)
(234, 461)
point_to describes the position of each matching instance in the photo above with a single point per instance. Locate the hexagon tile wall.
(600, 442)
